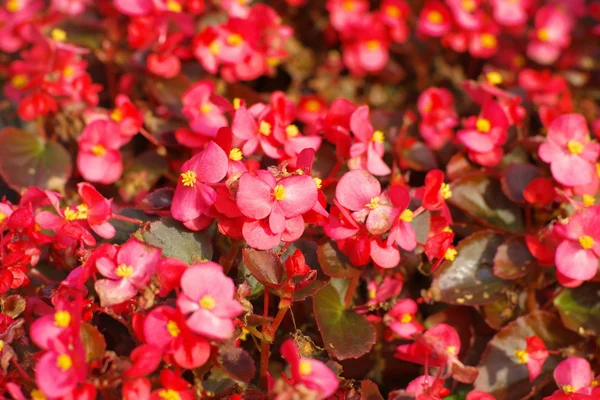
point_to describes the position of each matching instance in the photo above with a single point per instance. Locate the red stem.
(128, 219)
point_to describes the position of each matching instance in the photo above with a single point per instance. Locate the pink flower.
(135, 7)
(127, 115)
(510, 12)
(401, 319)
(253, 134)
(346, 13)
(96, 209)
(368, 149)
(390, 287)
(99, 159)
(571, 155)
(203, 109)
(193, 196)
(577, 255)
(49, 328)
(485, 134)
(260, 196)
(438, 117)
(427, 387)
(207, 299)
(173, 387)
(402, 231)
(129, 271)
(313, 374)
(534, 356)
(574, 377)
(434, 20)
(360, 192)
(552, 33)
(70, 7)
(165, 328)
(438, 346)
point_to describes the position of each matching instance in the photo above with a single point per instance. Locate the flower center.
(488, 40)
(214, 47)
(406, 318)
(407, 216)
(173, 328)
(264, 128)
(373, 204)
(587, 242)
(575, 147)
(2, 217)
(188, 178)
(279, 192)
(235, 39)
(124, 271)
(19, 81)
(37, 394)
(569, 389)
(205, 108)
(318, 182)
(237, 102)
(82, 211)
(378, 137)
(62, 319)
(13, 6)
(99, 150)
(58, 34)
(64, 362)
(173, 6)
(348, 5)
(207, 302)
(235, 154)
(445, 191)
(116, 115)
(543, 34)
(69, 71)
(494, 78)
(169, 394)
(468, 5)
(522, 356)
(373, 45)
(483, 125)
(312, 106)
(435, 17)
(292, 131)
(588, 200)
(450, 254)
(451, 350)
(393, 11)
(304, 367)
(372, 293)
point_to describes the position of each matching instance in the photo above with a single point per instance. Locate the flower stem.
(351, 290)
(128, 219)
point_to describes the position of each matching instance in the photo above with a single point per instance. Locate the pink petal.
(569, 127)
(360, 124)
(575, 262)
(258, 235)
(52, 380)
(200, 279)
(379, 221)
(190, 202)
(476, 141)
(254, 197)
(573, 371)
(384, 256)
(356, 189)
(209, 325)
(375, 163)
(107, 268)
(105, 230)
(406, 330)
(210, 165)
(571, 170)
(294, 228)
(243, 125)
(300, 195)
(114, 292)
(134, 7)
(141, 257)
(277, 220)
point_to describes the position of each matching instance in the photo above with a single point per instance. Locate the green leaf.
(178, 242)
(345, 333)
(499, 373)
(579, 308)
(28, 160)
(513, 259)
(333, 262)
(469, 279)
(481, 197)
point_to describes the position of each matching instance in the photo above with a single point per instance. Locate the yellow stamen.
(98, 150)
(318, 182)
(116, 115)
(235, 154)
(173, 328)
(435, 17)
(406, 318)
(19, 81)
(575, 147)
(488, 40)
(522, 356)
(450, 254)
(279, 192)
(373, 45)
(169, 394)
(37, 394)
(207, 302)
(124, 271)
(304, 367)
(214, 47)
(372, 293)
(407, 216)
(70, 215)
(543, 34)
(373, 204)
(273, 61)
(69, 71)
(2, 217)
(292, 131)
(264, 128)
(235, 39)
(447, 229)
(174, 6)
(348, 5)
(587, 242)
(468, 5)
(483, 125)
(494, 78)
(378, 136)
(13, 6)
(58, 34)
(62, 319)
(244, 334)
(237, 102)
(82, 211)
(188, 178)
(2, 343)
(64, 362)
(393, 11)
(312, 106)
(451, 350)
(445, 191)
(569, 389)
(206, 108)
(588, 200)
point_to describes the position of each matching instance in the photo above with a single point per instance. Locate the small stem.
(351, 290)
(278, 319)
(264, 347)
(150, 138)
(231, 255)
(23, 373)
(554, 295)
(128, 219)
